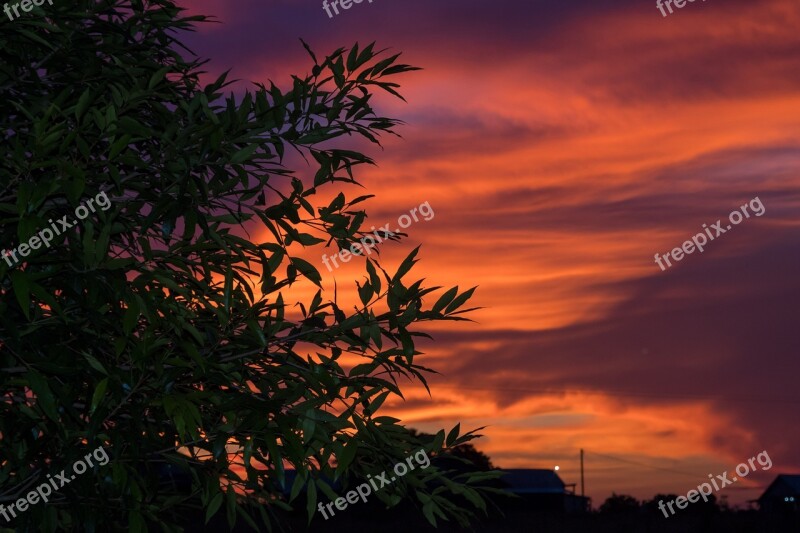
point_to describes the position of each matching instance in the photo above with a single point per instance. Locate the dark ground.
(369, 519)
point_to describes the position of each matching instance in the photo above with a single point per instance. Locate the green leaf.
(22, 290)
(83, 103)
(45, 399)
(244, 154)
(375, 404)
(213, 507)
(131, 316)
(453, 435)
(95, 363)
(119, 145)
(438, 440)
(308, 270)
(136, 522)
(458, 302)
(352, 58)
(99, 392)
(337, 68)
(308, 240)
(484, 476)
(427, 510)
(362, 369)
(406, 265)
(230, 506)
(311, 504)
(347, 456)
(297, 486)
(374, 280)
(157, 76)
(445, 299)
(474, 497)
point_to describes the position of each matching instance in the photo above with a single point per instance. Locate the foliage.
(462, 457)
(159, 329)
(702, 506)
(619, 504)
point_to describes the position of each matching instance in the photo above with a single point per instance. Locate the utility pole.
(582, 493)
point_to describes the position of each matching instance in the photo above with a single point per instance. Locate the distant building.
(783, 495)
(543, 490)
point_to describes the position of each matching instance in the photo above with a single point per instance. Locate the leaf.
(374, 280)
(244, 154)
(308, 49)
(362, 369)
(438, 440)
(311, 504)
(99, 392)
(157, 76)
(427, 510)
(44, 396)
(453, 435)
(132, 126)
(381, 65)
(458, 302)
(119, 145)
(22, 290)
(474, 497)
(407, 343)
(307, 239)
(445, 299)
(230, 506)
(83, 103)
(484, 476)
(308, 428)
(297, 486)
(375, 404)
(213, 507)
(308, 270)
(95, 363)
(406, 265)
(136, 522)
(365, 55)
(131, 316)
(347, 456)
(352, 58)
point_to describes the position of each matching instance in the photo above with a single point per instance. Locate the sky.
(562, 145)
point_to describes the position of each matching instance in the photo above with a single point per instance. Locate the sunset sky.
(561, 145)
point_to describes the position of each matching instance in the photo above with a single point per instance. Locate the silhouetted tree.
(461, 457)
(159, 329)
(619, 504)
(468, 452)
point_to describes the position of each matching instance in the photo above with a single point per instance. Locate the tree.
(619, 504)
(470, 455)
(703, 506)
(155, 329)
(464, 456)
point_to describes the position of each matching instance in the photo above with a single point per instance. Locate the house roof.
(788, 482)
(793, 480)
(532, 481)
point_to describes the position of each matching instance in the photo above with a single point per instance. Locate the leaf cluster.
(160, 328)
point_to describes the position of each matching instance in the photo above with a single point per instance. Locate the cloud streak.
(562, 145)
